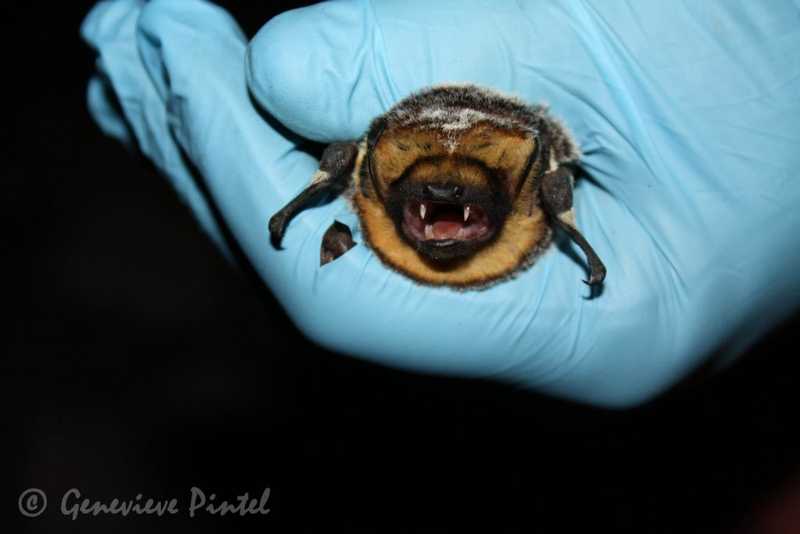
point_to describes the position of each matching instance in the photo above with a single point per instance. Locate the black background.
(139, 362)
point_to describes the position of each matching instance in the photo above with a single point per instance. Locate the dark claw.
(597, 271)
(277, 227)
(597, 274)
(595, 279)
(592, 281)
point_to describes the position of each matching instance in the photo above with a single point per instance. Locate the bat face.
(448, 208)
(447, 221)
(455, 185)
(449, 195)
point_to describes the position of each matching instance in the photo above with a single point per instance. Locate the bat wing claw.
(277, 227)
(596, 276)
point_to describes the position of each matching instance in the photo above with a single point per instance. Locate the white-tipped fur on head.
(453, 108)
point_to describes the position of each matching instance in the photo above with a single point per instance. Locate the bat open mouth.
(446, 221)
(443, 224)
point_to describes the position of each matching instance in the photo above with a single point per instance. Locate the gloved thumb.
(310, 67)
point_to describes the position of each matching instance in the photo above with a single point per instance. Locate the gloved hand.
(687, 116)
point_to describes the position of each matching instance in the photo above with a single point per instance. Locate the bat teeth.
(422, 210)
(466, 212)
(428, 231)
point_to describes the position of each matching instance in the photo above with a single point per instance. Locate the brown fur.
(449, 170)
(503, 150)
(525, 233)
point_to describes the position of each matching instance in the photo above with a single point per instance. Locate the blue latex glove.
(687, 114)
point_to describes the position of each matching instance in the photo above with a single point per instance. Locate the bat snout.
(443, 192)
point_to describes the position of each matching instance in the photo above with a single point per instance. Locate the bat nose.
(444, 192)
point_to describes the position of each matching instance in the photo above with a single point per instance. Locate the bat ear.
(537, 165)
(373, 136)
(534, 156)
(375, 131)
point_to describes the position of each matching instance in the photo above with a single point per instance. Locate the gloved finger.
(102, 106)
(193, 52)
(123, 101)
(326, 70)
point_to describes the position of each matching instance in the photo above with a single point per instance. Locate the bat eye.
(446, 192)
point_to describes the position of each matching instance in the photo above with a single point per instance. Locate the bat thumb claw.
(276, 229)
(596, 277)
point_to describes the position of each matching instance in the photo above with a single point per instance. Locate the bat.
(456, 185)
